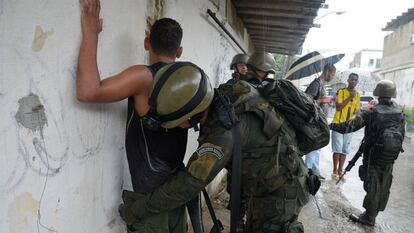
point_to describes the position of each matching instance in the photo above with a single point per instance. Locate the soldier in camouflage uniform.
(260, 65)
(238, 65)
(378, 157)
(273, 174)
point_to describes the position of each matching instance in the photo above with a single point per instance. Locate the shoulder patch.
(210, 149)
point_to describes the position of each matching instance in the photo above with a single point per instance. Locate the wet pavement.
(399, 213)
(328, 211)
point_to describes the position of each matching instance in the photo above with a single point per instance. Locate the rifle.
(352, 162)
(195, 213)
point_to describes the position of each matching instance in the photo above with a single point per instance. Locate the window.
(378, 63)
(371, 62)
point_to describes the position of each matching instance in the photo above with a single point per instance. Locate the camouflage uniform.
(376, 175)
(273, 175)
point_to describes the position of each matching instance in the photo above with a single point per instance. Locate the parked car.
(364, 100)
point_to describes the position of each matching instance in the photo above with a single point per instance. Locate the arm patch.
(210, 149)
(208, 155)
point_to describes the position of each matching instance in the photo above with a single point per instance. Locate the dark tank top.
(153, 156)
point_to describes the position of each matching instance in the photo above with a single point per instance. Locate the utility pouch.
(362, 172)
(291, 196)
(303, 192)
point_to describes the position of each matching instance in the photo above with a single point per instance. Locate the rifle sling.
(235, 180)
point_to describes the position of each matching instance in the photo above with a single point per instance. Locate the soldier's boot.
(364, 218)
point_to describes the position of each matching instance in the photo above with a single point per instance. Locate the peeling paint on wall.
(22, 213)
(159, 8)
(31, 113)
(40, 38)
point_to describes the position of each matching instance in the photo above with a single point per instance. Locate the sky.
(356, 29)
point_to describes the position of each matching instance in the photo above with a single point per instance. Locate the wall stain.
(31, 113)
(40, 38)
(111, 223)
(33, 152)
(159, 8)
(22, 211)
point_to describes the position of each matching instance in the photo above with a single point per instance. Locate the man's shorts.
(341, 143)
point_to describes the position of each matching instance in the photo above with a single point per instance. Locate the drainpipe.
(213, 15)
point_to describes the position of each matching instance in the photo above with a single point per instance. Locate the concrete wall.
(398, 50)
(398, 39)
(62, 163)
(404, 79)
(398, 62)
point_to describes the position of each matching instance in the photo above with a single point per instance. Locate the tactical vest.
(268, 166)
(386, 137)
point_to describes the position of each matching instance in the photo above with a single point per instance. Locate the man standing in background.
(317, 91)
(347, 105)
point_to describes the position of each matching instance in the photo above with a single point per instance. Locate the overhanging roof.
(400, 20)
(278, 26)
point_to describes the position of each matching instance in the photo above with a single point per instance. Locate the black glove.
(131, 200)
(126, 214)
(313, 182)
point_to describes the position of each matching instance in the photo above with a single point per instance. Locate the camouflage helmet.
(385, 88)
(262, 61)
(240, 58)
(181, 90)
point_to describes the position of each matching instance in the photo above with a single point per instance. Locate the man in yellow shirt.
(347, 105)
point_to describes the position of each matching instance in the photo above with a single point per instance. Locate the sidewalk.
(326, 212)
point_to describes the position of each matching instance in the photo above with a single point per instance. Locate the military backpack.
(306, 117)
(386, 134)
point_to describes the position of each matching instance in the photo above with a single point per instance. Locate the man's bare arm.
(90, 88)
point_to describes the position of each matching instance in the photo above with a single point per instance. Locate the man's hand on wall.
(150, 22)
(90, 21)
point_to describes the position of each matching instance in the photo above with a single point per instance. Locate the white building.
(369, 59)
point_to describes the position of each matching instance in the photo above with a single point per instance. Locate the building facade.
(398, 56)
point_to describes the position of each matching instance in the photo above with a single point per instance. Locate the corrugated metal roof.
(278, 26)
(400, 20)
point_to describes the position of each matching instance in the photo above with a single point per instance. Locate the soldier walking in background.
(383, 139)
